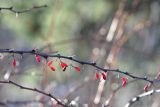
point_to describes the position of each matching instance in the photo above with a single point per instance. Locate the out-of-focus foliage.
(67, 17)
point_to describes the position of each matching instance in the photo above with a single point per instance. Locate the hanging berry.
(38, 58)
(104, 75)
(78, 69)
(145, 88)
(52, 68)
(14, 64)
(63, 65)
(124, 81)
(97, 76)
(49, 63)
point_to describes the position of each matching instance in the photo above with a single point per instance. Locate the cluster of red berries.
(49, 63)
(104, 77)
(64, 65)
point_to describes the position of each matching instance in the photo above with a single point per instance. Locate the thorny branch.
(22, 11)
(137, 98)
(93, 64)
(34, 90)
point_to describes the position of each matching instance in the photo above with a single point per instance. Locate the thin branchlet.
(93, 64)
(11, 9)
(34, 90)
(140, 96)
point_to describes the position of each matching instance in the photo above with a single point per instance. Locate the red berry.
(97, 75)
(146, 87)
(52, 68)
(49, 63)
(63, 65)
(124, 81)
(14, 63)
(104, 76)
(38, 59)
(77, 69)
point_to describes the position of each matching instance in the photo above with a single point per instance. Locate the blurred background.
(121, 34)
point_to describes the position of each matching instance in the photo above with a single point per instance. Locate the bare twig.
(22, 11)
(137, 98)
(34, 90)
